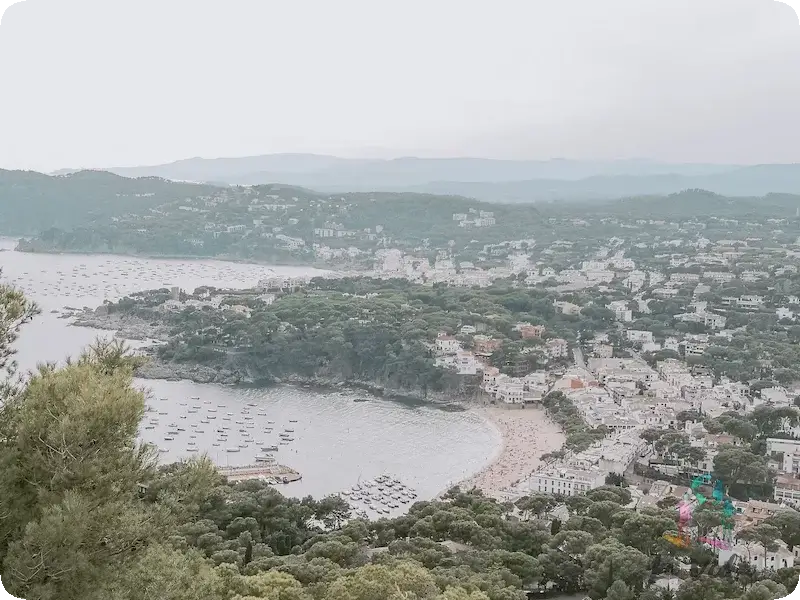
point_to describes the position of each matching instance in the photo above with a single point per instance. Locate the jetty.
(274, 473)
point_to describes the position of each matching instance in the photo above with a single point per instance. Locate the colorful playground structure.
(721, 540)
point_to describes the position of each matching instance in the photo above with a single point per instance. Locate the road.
(577, 354)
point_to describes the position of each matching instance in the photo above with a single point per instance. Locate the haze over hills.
(485, 179)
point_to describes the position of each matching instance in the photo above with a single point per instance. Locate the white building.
(695, 347)
(639, 336)
(466, 363)
(755, 555)
(566, 481)
(685, 277)
(291, 243)
(566, 308)
(557, 348)
(750, 302)
(447, 344)
(635, 280)
(621, 310)
(788, 451)
(719, 276)
(787, 490)
(511, 391)
(753, 276)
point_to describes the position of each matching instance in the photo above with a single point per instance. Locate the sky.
(93, 83)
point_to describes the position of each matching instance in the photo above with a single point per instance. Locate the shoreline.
(525, 434)
(184, 257)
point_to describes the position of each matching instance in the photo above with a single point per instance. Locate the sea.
(338, 438)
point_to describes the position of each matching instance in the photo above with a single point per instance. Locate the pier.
(275, 473)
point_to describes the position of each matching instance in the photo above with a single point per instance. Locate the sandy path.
(527, 435)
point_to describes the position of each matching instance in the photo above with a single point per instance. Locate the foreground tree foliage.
(86, 514)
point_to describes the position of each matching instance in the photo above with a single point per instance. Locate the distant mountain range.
(485, 179)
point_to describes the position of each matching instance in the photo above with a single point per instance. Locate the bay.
(338, 441)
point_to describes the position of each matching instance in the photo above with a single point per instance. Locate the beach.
(527, 434)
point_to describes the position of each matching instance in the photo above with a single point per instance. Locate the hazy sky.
(128, 82)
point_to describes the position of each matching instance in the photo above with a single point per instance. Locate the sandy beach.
(527, 434)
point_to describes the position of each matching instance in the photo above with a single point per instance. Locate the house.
(604, 350)
(750, 302)
(639, 336)
(787, 490)
(466, 363)
(567, 308)
(557, 348)
(485, 346)
(566, 481)
(291, 243)
(671, 343)
(621, 310)
(713, 320)
(490, 376)
(756, 511)
(787, 452)
(719, 276)
(266, 298)
(685, 277)
(510, 391)
(694, 347)
(755, 555)
(446, 344)
(528, 331)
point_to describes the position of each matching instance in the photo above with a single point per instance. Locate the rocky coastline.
(129, 327)
(172, 371)
(126, 326)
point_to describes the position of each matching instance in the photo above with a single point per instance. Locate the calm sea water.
(337, 441)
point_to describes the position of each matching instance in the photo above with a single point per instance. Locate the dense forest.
(361, 329)
(86, 513)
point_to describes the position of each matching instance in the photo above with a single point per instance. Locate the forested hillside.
(31, 202)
